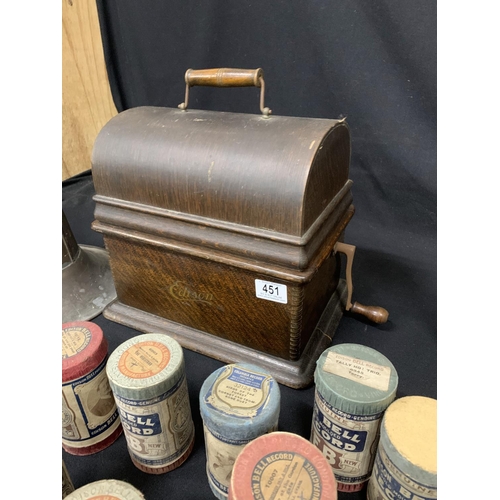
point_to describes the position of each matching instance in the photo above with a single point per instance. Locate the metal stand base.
(87, 285)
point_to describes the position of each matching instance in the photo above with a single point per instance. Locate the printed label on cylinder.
(221, 455)
(158, 430)
(389, 483)
(236, 392)
(347, 441)
(89, 413)
(144, 360)
(285, 475)
(107, 489)
(358, 370)
(222, 452)
(75, 340)
(239, 392)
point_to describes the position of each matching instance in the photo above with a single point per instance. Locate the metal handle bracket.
(226, 77)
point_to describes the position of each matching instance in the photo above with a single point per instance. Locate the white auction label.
(358, 370)
(271, 291)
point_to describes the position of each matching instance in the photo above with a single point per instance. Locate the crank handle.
(376, 314)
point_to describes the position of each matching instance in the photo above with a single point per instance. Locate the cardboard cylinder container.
(106, 489)
(90, 420)
(406, 461)
(282, 466)
(238, 403)
(354, 386)
(148, 380)
(67, 484)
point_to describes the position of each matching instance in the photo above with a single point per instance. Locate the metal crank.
(376, 314)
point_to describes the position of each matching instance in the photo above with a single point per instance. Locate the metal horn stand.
(87, 282)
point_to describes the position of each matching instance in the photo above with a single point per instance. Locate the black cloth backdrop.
(374, 62)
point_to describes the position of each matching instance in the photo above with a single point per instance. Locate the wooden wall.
(87, 103)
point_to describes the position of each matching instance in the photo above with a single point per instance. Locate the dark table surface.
(394, 267)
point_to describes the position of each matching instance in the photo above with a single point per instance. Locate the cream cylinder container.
(106, 489)
(147, 377)
(406, 462)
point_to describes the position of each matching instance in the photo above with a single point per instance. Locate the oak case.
(195, 206)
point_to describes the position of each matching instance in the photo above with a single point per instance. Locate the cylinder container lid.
(409, 437)
(282, 465)
(145, 366)
(84, 347)
(356, 379)
(240, 401)
(106, 489)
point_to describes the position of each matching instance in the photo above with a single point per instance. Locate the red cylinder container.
(281, 466)
(90, 420)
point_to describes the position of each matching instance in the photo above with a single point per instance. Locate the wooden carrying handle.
(226, 77)
(373, 313)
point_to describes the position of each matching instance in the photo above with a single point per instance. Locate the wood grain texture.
(224, 77)
(217, 296)
(296, 374)
(87, 103)
(126, 219)
(194, 206)
(273, 174)
(201, 294)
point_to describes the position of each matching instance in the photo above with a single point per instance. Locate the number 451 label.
(270, 291)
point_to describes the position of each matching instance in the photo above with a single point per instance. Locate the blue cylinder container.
(238, 403)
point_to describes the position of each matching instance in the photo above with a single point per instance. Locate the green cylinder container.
(354, 386)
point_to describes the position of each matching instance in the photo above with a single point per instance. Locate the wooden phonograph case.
(224, 229)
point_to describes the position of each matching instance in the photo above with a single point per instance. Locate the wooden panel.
(201, 294)
(87, 103)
